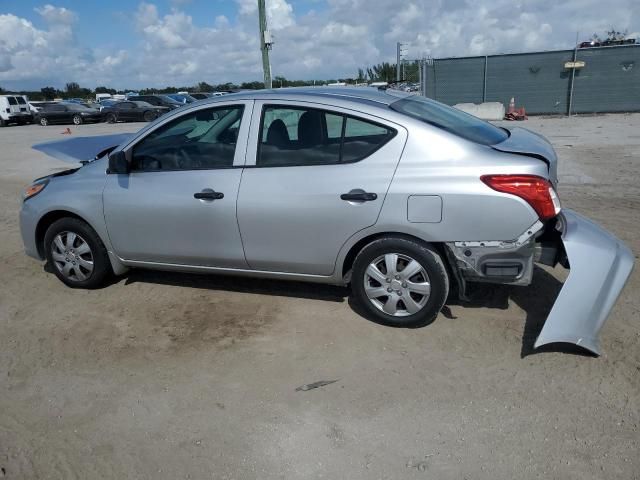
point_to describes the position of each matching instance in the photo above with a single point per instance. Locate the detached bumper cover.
(600, 266)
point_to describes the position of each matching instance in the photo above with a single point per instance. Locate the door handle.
(208, 194)
(358, 195)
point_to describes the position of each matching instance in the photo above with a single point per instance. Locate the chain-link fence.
(607, 79)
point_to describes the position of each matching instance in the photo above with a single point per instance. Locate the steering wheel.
(186, 161)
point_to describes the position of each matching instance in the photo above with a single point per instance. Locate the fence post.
(573, 75)
(424, 77)
(484, 81)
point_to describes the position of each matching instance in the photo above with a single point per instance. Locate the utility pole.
(265, 43)
(399, 59)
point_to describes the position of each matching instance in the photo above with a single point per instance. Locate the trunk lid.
(525, 142)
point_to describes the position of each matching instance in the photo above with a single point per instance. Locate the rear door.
(14, 107)
(22, 105)
(315, 176)
(56, 113)
(126, 111)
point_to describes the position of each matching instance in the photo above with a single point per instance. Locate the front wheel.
(148, 116)
(111, 118)
(76, 254)
(400, 282)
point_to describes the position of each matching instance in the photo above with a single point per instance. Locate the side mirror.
(118, 163)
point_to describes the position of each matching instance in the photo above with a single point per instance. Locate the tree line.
(381, 72)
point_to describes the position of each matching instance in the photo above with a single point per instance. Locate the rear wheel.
(76, 254)
(400, 282)
(2, 122)
(77, 119)
(43, 121)
(110, 118)
(148, 116)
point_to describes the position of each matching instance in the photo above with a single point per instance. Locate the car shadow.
(536, 300)
(230, 283)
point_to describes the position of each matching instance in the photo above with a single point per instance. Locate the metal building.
(609, 80)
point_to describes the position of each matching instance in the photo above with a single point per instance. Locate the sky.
(136, 44)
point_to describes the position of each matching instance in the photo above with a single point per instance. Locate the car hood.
(525, 142)
(81, 149)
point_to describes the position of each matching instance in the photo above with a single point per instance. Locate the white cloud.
(331, 41)
(57, 15)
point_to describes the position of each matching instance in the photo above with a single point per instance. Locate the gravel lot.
(173, 376)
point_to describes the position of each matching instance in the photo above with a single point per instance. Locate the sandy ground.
(171, 376)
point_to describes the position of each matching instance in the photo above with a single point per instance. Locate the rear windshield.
(450, 119)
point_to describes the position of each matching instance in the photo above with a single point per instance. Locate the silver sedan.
(399, 196)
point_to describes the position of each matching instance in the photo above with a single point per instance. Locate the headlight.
(35, 188)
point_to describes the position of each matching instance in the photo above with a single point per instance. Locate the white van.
(14, 109)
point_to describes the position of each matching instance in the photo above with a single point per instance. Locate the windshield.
(450, 119)
(168, 99)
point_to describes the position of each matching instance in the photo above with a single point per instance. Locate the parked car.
(181, 98)
(158, 101)
(74, 102)
(132, 112)
(107, 102)
(51, 113)
(14, 109)
(201, 95)
(397, 195)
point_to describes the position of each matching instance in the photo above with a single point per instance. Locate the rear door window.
(21, 101)
(300, 136)
(362, 138)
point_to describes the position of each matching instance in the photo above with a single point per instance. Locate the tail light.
(536, 191)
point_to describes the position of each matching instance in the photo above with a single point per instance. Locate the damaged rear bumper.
(600, 266)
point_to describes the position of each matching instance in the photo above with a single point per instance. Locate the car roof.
(380, 98)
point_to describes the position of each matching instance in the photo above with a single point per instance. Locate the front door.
(178, 204)
(320, 176)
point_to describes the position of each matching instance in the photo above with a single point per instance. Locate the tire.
(148, 116)
(77, 120)
(43, 121)
(71, 256)
(110, 118)
(2, 122)
(397, 300)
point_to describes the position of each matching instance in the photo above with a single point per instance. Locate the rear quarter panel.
(437, 163)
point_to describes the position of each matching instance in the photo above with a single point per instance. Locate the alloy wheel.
(397, 284)
(72, 256)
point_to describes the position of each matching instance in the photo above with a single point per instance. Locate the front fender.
(600, 266)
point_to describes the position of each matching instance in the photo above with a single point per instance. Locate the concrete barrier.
(485, 111)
